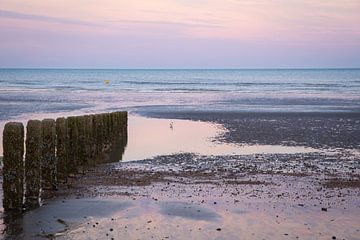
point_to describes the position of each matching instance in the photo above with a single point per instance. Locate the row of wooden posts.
(55, 150)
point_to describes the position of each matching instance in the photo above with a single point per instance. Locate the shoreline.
(174, 196)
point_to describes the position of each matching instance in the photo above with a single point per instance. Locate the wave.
(234, 83)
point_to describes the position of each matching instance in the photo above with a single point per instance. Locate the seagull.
(171, 125)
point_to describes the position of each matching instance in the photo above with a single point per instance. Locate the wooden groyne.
(56, 150)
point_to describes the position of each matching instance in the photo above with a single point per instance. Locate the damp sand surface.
(229, 199)
(129, 201)
(198, 195)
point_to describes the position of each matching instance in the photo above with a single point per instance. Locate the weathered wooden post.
(48, 166)
(112, 126)
(106, 143)
(123, 130)
(61, 150)
(105, 131)
(89, 139)
(123, 123)
(98, 134)
(72, 144)
(119, 129)
(33, 158)
(13, 170)
(81, 143)
(109, 127)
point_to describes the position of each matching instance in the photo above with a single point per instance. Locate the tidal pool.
(150, 137)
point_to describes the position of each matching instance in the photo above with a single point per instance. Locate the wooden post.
(13, 170)
(81, 144)
(72, 146)
(61, 150)
(48, 166)
(89, 141)
(33, 160)
(98, 133)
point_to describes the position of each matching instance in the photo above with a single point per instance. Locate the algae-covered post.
(98, 134)
(122, 118)
(48, 166)
(105, 140)
(112, 126)
(61, 149)
(108, 127)
(33, 158)
(13, 169)
(72, 144)
(55, 149)
(105, 130)
(118, 134)
(89, 141)
(80, 120)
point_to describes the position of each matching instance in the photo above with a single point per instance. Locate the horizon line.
(265, 68)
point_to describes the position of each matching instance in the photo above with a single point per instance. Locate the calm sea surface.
(25, 91)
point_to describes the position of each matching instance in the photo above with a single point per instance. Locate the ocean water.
(29, 91)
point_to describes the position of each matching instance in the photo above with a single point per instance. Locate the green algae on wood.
(72, 144)
(57, 149)
(61, 150)
(98, 127)
(82, 143)
(89, 141)
(13, 169)
(48, 166)
(33, 158)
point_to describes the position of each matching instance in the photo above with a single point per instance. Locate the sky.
(180, 33)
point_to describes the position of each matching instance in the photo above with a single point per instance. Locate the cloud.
(169, 23)
(41, 18)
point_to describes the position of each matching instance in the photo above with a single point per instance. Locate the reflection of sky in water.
(180, 219)
(149, 137)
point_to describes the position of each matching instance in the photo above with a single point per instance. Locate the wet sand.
(144, 200)
(313, 195)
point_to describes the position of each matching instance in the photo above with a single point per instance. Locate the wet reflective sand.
(192, 212)
(157, 220)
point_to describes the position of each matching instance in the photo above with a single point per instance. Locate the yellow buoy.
(107, 81)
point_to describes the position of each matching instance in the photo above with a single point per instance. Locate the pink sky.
(179, 33)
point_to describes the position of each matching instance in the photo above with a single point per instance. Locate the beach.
(228, 166)
(262, 196)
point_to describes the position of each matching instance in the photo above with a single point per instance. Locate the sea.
(29, 91)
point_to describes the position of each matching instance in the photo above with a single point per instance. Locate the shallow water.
(50, 219)
(62, 90)
(150, 137)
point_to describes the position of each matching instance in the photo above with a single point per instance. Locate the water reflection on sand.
(150, 137)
